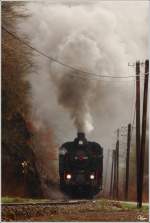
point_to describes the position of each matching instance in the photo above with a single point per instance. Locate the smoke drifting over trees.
(100, 38)
(19, 172)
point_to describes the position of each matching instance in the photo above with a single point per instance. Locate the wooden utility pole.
(143, 137)
(117, 165)
(138, 128)
(127, 161)
(107, 168)
(112, 175)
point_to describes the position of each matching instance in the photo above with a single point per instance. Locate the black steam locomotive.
(81, 167)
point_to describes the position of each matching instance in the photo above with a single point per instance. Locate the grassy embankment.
(101, 204)
(5, 200)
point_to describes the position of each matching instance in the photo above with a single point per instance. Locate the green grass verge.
(128, 206)
(5, 200)
(105, 204)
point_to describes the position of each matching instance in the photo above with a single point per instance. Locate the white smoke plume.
(99, 38)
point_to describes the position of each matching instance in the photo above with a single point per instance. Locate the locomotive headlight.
(80, 142)
(68, 176)
(92, 176)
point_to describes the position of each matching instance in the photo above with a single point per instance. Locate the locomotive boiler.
(81, 167)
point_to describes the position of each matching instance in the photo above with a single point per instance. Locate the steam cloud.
(100, 38)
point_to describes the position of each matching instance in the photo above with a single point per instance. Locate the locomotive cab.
(81, 167)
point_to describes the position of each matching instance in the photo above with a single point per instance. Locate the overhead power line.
(96, 76)
(118, 81)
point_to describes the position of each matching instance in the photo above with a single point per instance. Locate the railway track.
(68, 210)
(47, 203)
(65, 202)
(21, 211)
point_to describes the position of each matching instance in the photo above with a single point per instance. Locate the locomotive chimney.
(80, 139)
(81, 135)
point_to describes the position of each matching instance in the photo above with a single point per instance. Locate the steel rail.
(46, 203)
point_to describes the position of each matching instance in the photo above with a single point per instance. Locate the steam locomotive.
(81, 167)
